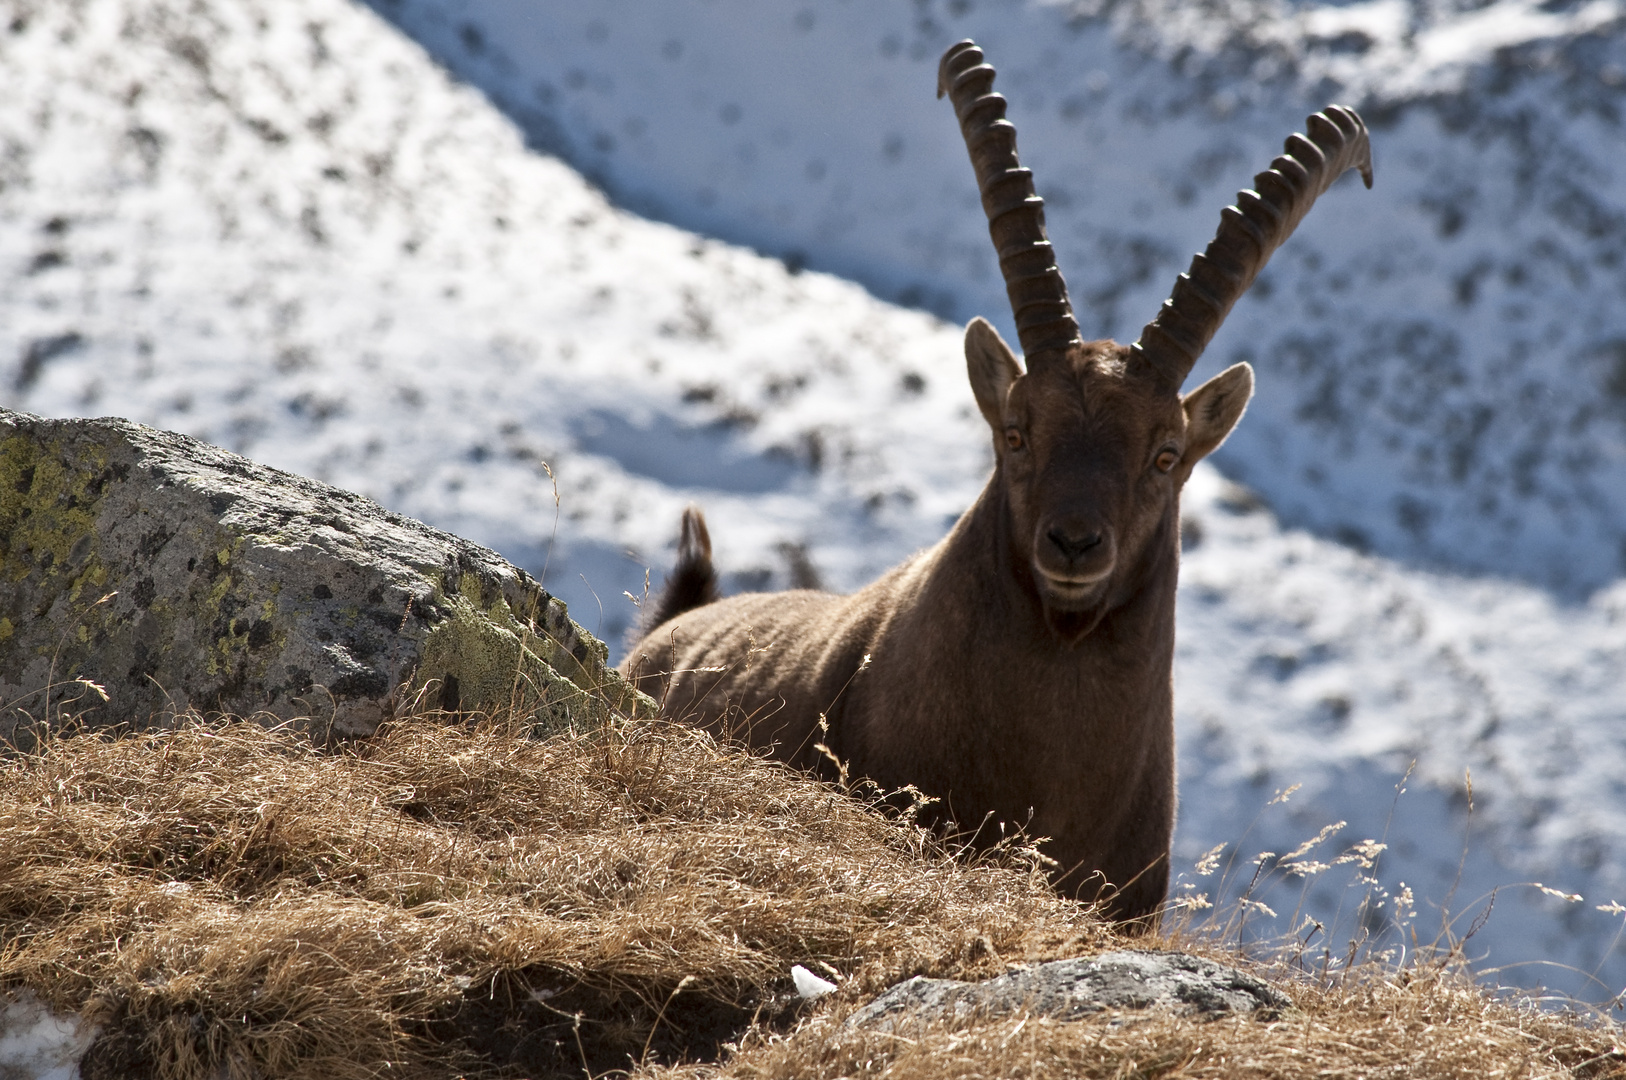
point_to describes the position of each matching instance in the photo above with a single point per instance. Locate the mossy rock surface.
(177, 576)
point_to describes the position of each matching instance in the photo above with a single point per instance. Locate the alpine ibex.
(1019, 670)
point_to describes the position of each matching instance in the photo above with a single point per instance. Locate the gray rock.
(176, 575)
(1069, 989)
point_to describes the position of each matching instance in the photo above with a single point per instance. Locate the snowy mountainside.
(280, 227)
(354, 269)
(1442, 360)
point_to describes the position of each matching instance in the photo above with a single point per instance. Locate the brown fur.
(974, 670)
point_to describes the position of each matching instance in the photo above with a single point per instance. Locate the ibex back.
(1018, 671)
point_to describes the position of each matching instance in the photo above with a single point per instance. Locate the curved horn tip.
(1364, 167)
(942, 65)
(1351, 126)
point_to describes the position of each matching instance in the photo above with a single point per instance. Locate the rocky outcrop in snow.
(144, 572)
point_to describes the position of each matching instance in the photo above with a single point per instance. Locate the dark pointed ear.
(992, 368)
(1213, 409)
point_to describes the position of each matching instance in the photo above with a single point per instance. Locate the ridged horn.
(1044, 317)
(1248, 233)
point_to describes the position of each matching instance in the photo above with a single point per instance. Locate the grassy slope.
(448, 899)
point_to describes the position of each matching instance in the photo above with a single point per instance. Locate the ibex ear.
(992, 368)
(1213, 409)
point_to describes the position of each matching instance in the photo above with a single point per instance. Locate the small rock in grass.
(1070, 989)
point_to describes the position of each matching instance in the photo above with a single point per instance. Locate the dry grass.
(222, 896)
(454, 899)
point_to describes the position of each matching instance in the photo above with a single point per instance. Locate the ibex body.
(1020, 670)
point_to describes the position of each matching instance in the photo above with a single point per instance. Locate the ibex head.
(1094, 441)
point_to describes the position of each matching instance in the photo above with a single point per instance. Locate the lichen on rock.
(176, 576)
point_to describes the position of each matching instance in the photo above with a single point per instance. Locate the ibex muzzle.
(1019, 670)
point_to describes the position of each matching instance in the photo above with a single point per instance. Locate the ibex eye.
(1013, 438)
(1167, 458)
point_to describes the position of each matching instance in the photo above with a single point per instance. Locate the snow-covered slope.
(1442, 361)
(279, 226)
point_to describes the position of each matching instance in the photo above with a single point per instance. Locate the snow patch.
(38, 1043)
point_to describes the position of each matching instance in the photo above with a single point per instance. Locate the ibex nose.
(1074, 547)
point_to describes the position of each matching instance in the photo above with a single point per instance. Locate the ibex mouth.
(1073, 600)
(1072, 592)
(1078, 583)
